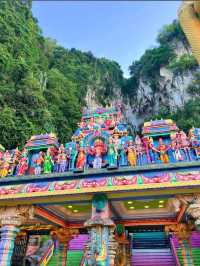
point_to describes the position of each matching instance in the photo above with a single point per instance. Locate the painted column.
(63, 236)
(123, 251)
(8, 235)
(11, 218)
(101, 249)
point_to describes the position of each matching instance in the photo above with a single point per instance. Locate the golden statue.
(189, 17)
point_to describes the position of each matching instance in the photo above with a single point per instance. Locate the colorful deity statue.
(38, 163)
(14, 161)
(116, 141)
(82, 124)
(139, 150)
(185, 145)
(98, 152)
(145, 142)
(177, 153)
(162, 149)
(81, 158)
(122, 155)
(132, 156)
(22, 166)
(111, 153)
(61, 160)
(5, 166)
(48, 163)
(152, 150)
(197, 152)
(91, 124)
(72, 155)
(2, 150)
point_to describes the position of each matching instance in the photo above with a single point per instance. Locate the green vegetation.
(42, 85)
(182, 64)
(172, 32)
(186, 117)
(148, 69)
(194, 87)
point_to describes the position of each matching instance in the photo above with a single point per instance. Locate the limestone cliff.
(163, 84)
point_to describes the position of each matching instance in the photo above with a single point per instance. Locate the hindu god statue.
(72, 155)
(62, 159)
(98, 152)
(162, 149)
(81, 158)
(38, 163)
(122, 155)
(6, 160)
(112, 153)
(22, 166)
(131, 154)
(48, 163)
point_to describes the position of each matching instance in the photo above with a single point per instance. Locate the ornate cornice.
(15, 215)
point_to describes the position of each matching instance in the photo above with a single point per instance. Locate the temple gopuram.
(106, 198)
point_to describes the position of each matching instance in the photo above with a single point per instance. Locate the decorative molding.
(15, 216)
(104, 184)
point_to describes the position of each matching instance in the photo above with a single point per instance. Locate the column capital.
(64, 235)
(15, 215)
(193, 205)
(182, 231)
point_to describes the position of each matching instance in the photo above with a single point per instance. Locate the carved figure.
(81, 158)
(38, 163)
(14, 161)
(62, 159)
(112, 153)
(72, 156)
(162, 149)
(139, 150)
(5, 164)
(131, 151)
(177, 153)
(122, 155)
(152, 150)
(185, 145)
(22, 166)
(48, 163)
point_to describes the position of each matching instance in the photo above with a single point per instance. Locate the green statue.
(48, 163)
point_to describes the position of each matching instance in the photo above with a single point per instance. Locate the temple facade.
(105, 198)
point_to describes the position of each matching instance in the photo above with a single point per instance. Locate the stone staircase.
(75, 252)
(151, 249)
(195, 245)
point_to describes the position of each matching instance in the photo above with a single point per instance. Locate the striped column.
(8, 235)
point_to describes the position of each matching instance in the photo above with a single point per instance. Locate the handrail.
(174, 253)
(47, 256)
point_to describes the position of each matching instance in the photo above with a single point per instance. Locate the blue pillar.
(8, 235)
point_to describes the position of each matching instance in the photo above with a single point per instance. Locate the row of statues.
(113, 152)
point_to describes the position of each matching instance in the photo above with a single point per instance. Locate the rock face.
(171, 92)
